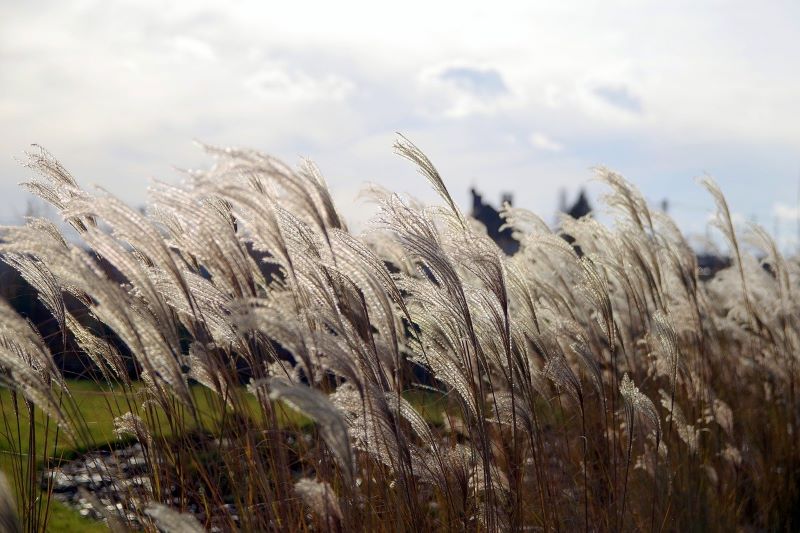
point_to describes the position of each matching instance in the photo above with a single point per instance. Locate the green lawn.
(98, 409)
(98, 406)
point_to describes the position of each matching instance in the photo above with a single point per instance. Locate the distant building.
(707, 264)
(579, 209)
(490, 217)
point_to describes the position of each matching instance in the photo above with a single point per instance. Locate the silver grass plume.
(40, 278)
(732, 455)
(670, 350)
(724, 222)
(133, 425)
(521, 222)
(100, 351)
(168, 520)
(723, 415)
(9, 521)
(677, 249)
(409, 150)
(403, 408)
(152, 336)
(558, 370)
(319, 408)
(783, 285)
(27, 366)
(596, 291)
(625, 198)
(371, 426)
(203, 370)
(59, 188)
(687, 432)
(637, 403)
(319, 496)
(508, 407)
(572, 332)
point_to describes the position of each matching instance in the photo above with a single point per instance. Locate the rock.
(118, 481)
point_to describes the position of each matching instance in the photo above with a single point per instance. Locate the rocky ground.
(110, 485)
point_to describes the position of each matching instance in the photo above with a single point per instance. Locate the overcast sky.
(503, 96)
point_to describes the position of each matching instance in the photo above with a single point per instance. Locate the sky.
(525, 97)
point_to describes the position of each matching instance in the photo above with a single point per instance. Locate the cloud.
(485, 83)
(543, 142)
(785, 212)
(276, 82)
(458, 91)
(193, 48)
(620, 97)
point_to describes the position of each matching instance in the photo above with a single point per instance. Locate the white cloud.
(543, 142)
(786, 212)
(193, 48)
(619, 96)
(459, 90)
(285, 85)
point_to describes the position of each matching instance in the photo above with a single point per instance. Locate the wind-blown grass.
(599, 385)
